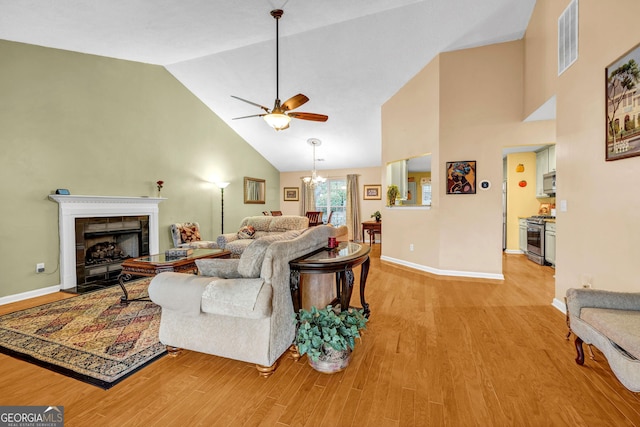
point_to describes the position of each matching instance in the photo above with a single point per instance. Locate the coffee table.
(151, 265)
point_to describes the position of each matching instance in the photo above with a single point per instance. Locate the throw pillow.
(246, 232)
(190, 233)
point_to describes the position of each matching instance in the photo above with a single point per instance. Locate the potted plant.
(392, 193)
(328, 335)
(377, 215)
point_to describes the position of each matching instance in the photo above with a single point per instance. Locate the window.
(426, 194)
(331, 196)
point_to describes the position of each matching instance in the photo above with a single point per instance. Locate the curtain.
(353, 208)
(308, 198)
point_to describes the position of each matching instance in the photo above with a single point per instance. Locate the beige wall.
(599, 233)
(465, 105)
(100, 126)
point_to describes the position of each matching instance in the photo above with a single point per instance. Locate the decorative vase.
(331, 361)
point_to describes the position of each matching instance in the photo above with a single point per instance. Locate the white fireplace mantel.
(72, 207)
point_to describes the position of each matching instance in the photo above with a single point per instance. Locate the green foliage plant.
(377, 215)
(318, 328)
(392, 193)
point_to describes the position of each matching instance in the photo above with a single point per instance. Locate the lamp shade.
(222, 185)
(277, 121)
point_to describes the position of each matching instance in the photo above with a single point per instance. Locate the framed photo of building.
(291, 194)
(622, 85)
(372, 192)
(461, 177)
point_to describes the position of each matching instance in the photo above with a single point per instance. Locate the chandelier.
(314, 179)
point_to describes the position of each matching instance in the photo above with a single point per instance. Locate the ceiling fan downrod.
(277, 14)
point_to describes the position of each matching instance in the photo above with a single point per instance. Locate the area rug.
(90, 337)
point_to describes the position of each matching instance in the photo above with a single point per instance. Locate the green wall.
(101, 126)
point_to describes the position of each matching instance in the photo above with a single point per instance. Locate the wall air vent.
(568, 37)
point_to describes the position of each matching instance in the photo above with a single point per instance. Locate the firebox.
(102, 244)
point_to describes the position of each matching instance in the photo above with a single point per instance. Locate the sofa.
(237, 308)
(255, 227)
(611, 322)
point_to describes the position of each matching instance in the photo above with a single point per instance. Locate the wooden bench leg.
(580, 357)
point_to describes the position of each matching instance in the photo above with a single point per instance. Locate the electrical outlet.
(40, 267)
(411, 247)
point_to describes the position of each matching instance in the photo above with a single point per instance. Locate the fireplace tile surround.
(72, 207)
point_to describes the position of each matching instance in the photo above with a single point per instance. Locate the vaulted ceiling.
(348, 57)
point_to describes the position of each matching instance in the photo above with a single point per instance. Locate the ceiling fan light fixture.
(278, 121)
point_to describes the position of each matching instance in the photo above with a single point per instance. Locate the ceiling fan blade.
(246, 117)
(309, 116)
(294, 102)
(252, 103)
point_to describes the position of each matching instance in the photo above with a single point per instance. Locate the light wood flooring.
(438, 351)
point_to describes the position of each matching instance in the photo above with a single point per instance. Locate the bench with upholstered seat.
(611, 322)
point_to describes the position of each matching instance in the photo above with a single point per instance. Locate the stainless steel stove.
(535, 237)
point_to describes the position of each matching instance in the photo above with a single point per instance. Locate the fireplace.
(103, 243)
(127, 212)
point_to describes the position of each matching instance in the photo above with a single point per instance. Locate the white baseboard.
(513, 251)
(560, 305)
(30, 294)
(437, 271)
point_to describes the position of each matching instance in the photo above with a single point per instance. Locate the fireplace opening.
(102, 244)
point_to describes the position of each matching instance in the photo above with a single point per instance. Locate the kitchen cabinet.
(552, 158)
(545, 162)
(550, 243)
(523, 234)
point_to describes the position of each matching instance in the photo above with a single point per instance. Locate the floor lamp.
(222, 186)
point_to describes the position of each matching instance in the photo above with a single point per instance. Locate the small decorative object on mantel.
(328, 336)
(178, 252)
(159, 185)
(377, 215)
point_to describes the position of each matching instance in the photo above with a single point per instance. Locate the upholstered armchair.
(237, 308)
(187, 235)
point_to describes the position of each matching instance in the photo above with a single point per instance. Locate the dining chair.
(315, 218)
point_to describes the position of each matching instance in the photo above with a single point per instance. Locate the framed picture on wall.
(372, 192)
(622, 86)
(461, 177)
(291, 194)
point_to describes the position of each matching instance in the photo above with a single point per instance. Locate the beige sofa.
(263, 225)
(237, 308)
(611, 322)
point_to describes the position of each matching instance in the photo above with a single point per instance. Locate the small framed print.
(291, 194)
(373, 192)
(461, 177)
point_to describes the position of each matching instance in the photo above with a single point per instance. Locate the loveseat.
(611, 322)
(255, 227)
(237, 308)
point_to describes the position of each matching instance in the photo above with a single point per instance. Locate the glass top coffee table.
(151, 265)
(340, 261)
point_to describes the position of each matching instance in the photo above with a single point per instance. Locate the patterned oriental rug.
(91, 337)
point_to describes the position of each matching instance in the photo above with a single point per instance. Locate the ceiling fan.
(280, 115)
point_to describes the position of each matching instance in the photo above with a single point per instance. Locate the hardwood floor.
(438, 351)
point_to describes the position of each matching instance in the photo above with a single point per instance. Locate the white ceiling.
(348, 57)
